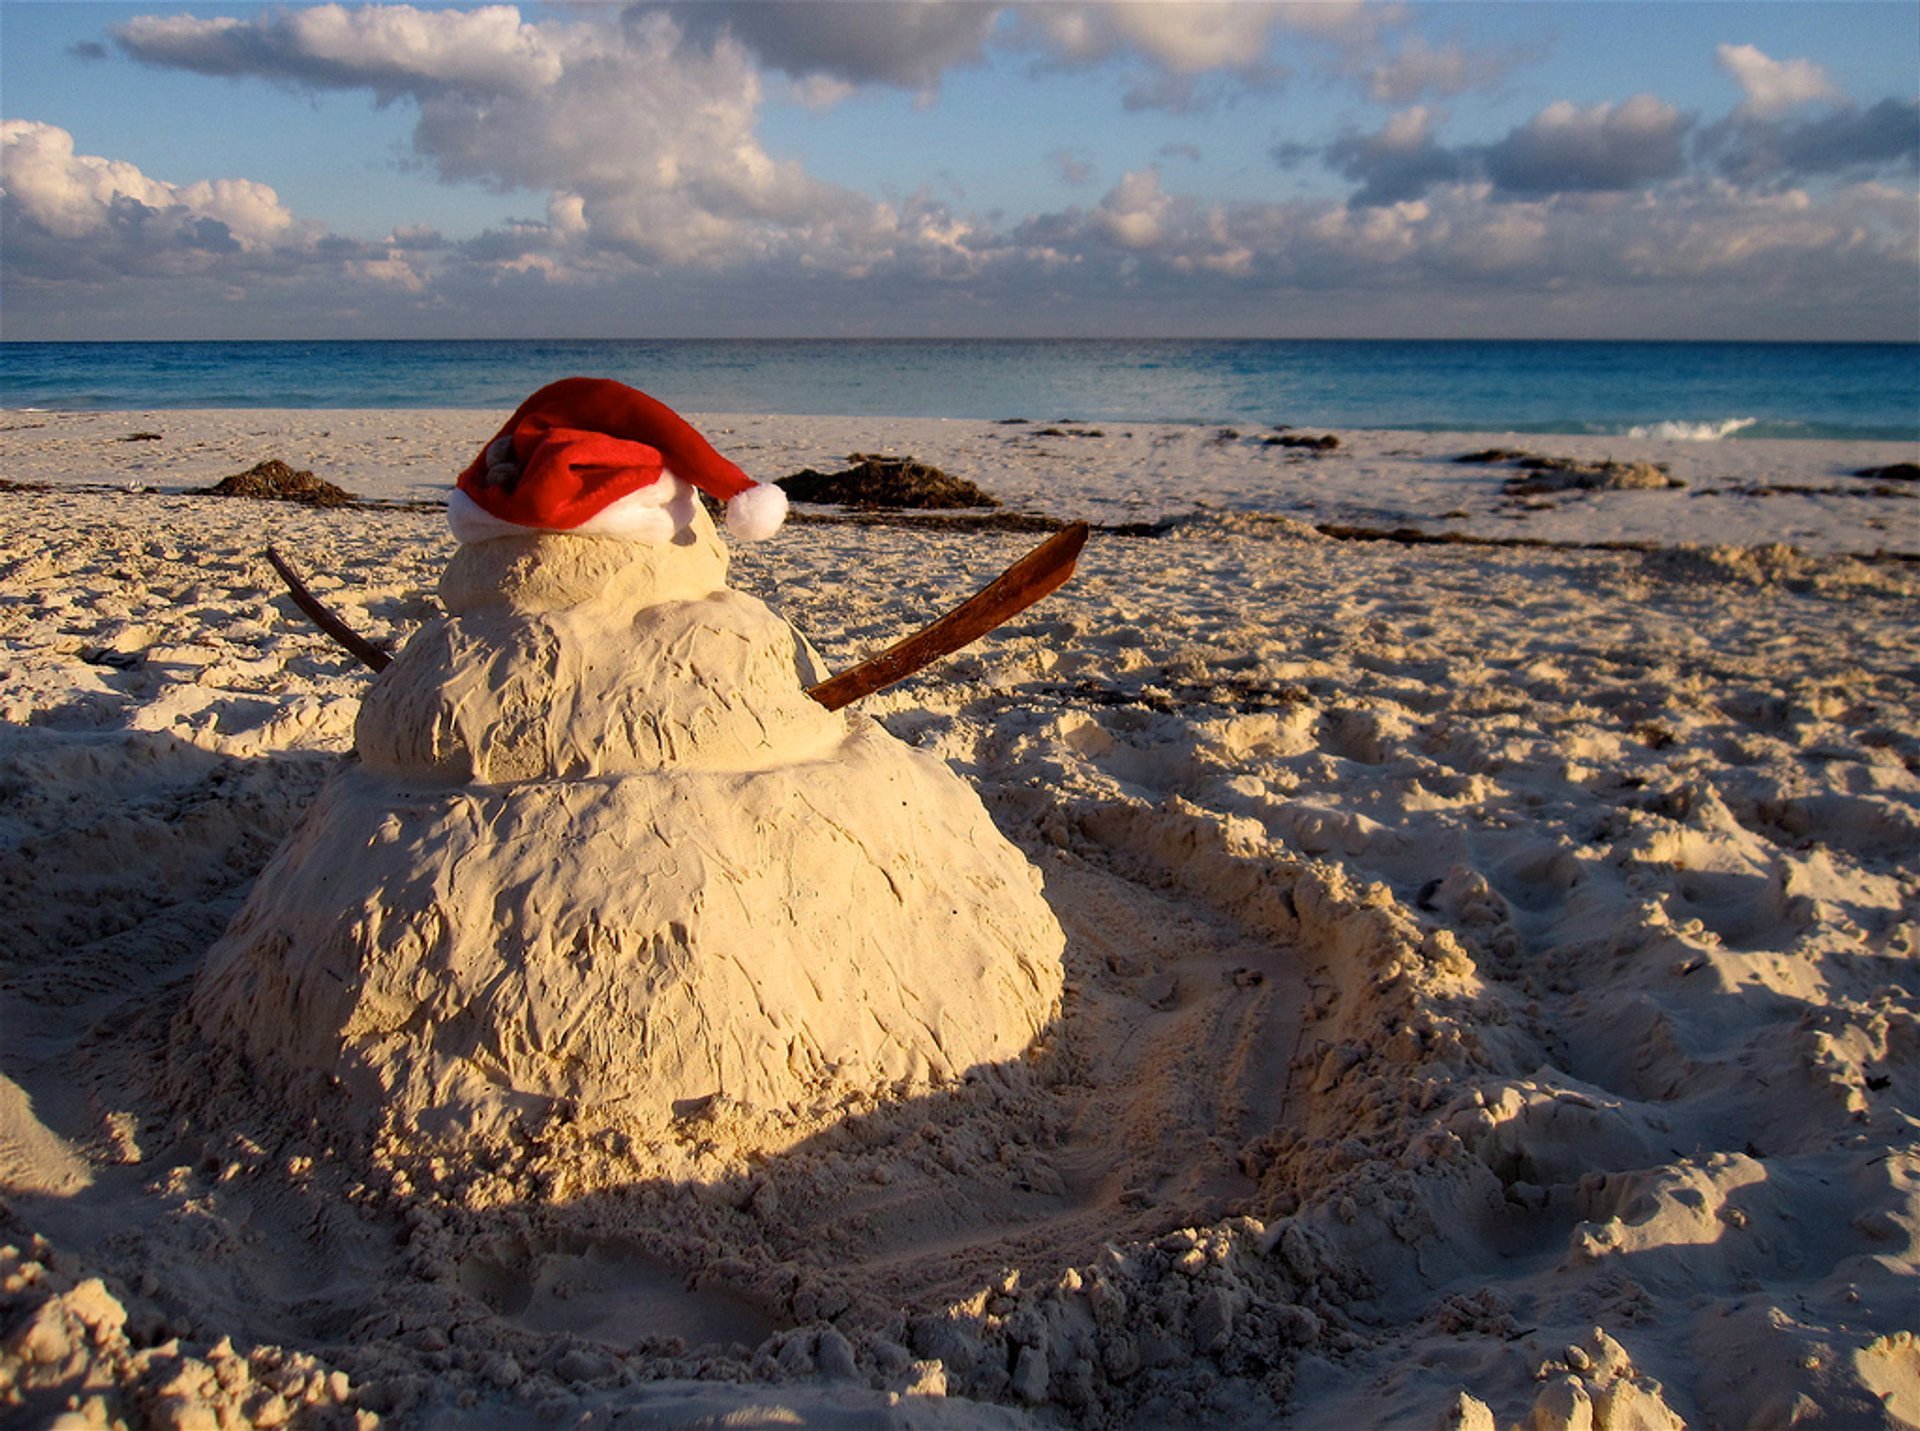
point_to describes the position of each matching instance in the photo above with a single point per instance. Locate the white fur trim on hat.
(654, 513)
(756, 514)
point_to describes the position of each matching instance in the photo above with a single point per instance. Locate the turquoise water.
(1813, 390)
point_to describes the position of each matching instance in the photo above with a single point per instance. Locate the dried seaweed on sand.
(275, 481)
(876, 481)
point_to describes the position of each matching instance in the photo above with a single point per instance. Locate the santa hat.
(598, 458)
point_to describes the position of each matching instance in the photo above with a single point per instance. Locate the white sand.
(1491, 970)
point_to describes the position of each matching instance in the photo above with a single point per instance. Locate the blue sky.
(1331, 168)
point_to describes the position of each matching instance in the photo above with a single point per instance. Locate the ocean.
(1694, 390)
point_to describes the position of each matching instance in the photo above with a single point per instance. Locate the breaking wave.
(1693, 431)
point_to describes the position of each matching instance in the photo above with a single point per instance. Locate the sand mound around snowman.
(600, 853)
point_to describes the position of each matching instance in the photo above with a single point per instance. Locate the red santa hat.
(598, 458)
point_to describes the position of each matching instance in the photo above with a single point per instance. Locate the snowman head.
(593, 457)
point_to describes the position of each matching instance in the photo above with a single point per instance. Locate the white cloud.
(1600, 257)
(1143, 254)
(1751, 150)
(1418, 69)
(651, 140)
(1399, 163)
(1573, 148)
(1187, 54)
(823, 92)
(392, 49)
(1717, 229)
(827, 45)
(909, 45)
(392, 272)
(1773, 86)
(1135, 214)
(567, 214)
(72, 195)
(641, 145)
(1188, 38)
(1407, 130)
(87, 235)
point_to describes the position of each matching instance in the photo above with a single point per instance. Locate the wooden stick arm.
(369, 654)
(1042, 570)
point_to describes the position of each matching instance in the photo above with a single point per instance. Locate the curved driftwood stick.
(1042, 570)
(369, 653)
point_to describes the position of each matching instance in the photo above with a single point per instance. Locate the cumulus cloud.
(1887, 133)
(648, 141)
(641, 125)
(822, 92)
(54, 191)
(634, 135)
(1885, 136)
(1135, 214)
(1140, 251)
(1565, 149)
(88, 239)
(1772, 86)
(1400, 267)
(1402, 161)
(1185, 57)
(1594, 148)
(1186, 54)
(1417, 70)
(393, 50)
(1184, 39)
(1640, 144)
(855, 42)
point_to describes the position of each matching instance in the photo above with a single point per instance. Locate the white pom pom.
(757, 513)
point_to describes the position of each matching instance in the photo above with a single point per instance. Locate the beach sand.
(1493, 965)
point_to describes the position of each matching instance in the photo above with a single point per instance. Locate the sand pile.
(601, 852)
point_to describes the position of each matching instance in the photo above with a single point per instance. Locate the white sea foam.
(1693, 431)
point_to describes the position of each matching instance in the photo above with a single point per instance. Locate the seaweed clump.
(1566, 474)
(274, 481)
(876, 481)
(1570, 474)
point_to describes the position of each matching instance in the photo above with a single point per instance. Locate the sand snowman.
(601, 852)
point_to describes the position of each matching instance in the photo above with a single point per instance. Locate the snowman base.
(654, 960)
